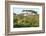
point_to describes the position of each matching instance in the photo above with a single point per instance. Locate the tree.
(30, 11)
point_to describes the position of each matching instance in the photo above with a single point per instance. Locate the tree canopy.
(30, 11)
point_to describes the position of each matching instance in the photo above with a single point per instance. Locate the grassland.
(26, 21)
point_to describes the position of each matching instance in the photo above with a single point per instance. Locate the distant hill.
(26, 13)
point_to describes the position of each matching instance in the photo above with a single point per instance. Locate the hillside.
(26, 21)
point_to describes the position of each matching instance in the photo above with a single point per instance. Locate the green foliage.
(26, 21)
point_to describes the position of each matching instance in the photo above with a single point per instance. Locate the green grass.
(26, 21)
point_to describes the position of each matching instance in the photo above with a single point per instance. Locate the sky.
(18, 10)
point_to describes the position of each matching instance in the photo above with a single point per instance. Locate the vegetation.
(26, 21)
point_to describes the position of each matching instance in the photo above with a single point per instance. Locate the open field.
(26, 21)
